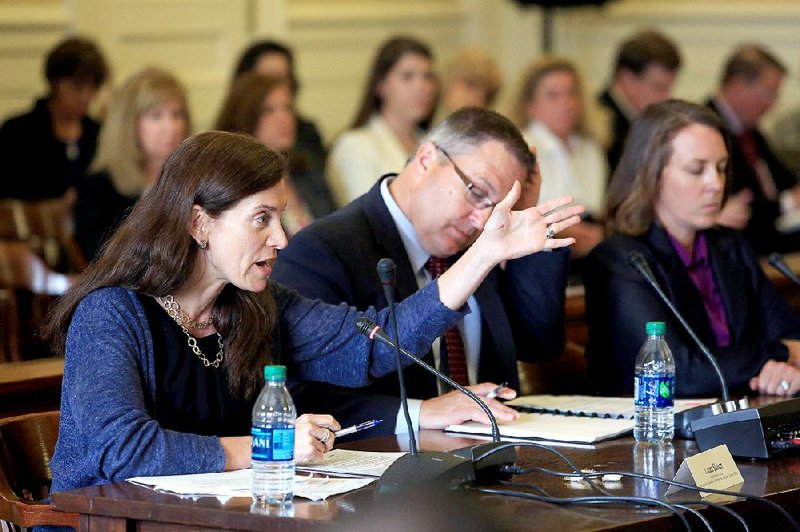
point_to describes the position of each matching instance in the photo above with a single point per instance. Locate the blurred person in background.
(46, 150)
(645, 70)
(272, 58)
(263, 107)
(147, 118)
(549, 109)
(397, 104)
(762, 187)
(470, 79)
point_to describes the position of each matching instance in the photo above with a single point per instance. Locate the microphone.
(684, 419)
(776, 261)
(386, 272)
(467, 465)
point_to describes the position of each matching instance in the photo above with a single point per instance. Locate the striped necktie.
(454, 344)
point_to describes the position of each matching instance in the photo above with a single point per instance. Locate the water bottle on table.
(273, 440)
(654, 388)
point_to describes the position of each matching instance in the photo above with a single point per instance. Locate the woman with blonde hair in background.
(550, 111)
(397, 103)
(147, 118)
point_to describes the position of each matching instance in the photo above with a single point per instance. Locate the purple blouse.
(698, 266)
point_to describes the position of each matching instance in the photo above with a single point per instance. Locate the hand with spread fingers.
(513, 234)
(313, 437)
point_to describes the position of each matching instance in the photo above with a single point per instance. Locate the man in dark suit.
(750, 86)
(422, 219)
(645, 70)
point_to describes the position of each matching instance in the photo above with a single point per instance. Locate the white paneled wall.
(334, 40)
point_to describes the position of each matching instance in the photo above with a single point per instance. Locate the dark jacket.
(99, 209)
(35, 162)
(522, 308)
(619, 127)
(619, 302)
(760, 231)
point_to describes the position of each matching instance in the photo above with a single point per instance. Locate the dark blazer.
(522, 308)
(620, 125)
(619, 302)
(99, 209)
(760, 231)
(35, 162)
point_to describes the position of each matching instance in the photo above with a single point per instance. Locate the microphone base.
(684, 419)
(446, 469)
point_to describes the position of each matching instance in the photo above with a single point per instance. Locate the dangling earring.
(202, 244)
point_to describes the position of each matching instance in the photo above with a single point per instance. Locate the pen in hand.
(496, 390)
(358, 428)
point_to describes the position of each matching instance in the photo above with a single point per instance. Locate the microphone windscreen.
(386, 270)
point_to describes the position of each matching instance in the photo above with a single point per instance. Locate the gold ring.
(326, 437)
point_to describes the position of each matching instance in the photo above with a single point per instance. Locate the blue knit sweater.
(107, 431)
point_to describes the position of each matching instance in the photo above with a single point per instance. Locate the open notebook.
(569, 418)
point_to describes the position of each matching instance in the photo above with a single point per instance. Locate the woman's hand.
(777, 378)
(313, 437)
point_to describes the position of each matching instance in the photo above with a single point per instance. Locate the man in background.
(763, 188)
(645, 71)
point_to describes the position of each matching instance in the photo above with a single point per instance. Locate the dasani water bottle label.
(272, 444)
(654, 391)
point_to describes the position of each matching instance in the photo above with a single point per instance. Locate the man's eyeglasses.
(475, 195)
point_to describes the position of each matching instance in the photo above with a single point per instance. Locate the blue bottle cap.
(275, 373)
(656, 327)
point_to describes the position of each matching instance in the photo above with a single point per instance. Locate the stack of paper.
(238, 483)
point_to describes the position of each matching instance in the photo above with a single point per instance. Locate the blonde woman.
(147, 118)
(549, 109)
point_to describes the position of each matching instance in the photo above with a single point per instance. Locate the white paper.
(238, 484)
(553, 427)
(590, 406)
(347, 462)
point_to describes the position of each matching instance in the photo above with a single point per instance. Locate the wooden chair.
(47, 227)
(24, 274)
(26, 446)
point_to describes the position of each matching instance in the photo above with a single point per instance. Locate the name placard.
(713, 469)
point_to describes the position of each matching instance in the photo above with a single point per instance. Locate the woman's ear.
(199, 225)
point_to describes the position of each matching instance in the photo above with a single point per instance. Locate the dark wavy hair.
(241, 109)
(387, 57)
(154, 253)
(633, 191)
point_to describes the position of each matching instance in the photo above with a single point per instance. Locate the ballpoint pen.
(496, 390)
(357, 428)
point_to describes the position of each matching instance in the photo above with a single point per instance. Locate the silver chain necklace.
(176, 313)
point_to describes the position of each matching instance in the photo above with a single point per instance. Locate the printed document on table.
(357, 463)
(238, 484)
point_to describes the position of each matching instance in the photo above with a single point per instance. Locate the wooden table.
(122, 506)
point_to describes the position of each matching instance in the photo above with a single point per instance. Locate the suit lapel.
(388, 239)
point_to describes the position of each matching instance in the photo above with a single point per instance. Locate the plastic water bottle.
(273, 440)
(654, 388)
